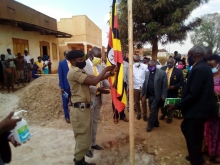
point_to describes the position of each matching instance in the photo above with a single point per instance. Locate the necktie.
(69, 65)
(168, 77)
(96, 74)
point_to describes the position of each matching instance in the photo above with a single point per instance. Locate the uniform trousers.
(193, 131)
(81, 123)
(154, 109)
(95, 118)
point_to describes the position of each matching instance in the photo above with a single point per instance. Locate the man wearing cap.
(63, 69)
(11, 57)
(80, 112)
(197, 104)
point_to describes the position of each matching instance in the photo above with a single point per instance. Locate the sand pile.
(42, 99)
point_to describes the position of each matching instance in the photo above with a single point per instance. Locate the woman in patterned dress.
(181, 66)
(212, 126)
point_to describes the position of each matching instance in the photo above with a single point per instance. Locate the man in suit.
(175, 81)
(63, 69)
(155, 89)
(93, 67)
(197, 104)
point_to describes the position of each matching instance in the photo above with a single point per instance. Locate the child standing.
(9, 77)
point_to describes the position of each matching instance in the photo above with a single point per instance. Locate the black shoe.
(67, 120)
(169, 121)
(82, 162)
(187, 158)
(149, 129)
(156, 125)
(145, 118)
(162, 117)
(89, 154)
(96, 147)
(138, 117)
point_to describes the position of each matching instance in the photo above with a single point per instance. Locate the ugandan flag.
(114, 57)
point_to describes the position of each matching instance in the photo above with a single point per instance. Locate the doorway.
(44, 50)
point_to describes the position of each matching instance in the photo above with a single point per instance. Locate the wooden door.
(19, 45)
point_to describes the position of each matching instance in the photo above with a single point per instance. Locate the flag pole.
(131, 92)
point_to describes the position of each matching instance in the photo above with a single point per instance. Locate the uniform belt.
(79, 105)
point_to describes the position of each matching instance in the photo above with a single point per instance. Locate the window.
(19, 45)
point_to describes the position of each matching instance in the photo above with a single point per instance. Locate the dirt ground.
(52, 141)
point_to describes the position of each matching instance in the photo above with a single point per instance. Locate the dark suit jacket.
(198, 99)
(63, 69)
(160, 84)
(176, 80)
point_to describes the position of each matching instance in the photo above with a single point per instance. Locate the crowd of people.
(177, 79)
(83, 82)
(21, 69)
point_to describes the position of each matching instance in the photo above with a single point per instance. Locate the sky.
(98, 12)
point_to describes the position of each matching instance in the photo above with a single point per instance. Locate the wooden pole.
(131, 92)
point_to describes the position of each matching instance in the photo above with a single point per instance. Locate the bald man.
(93, 67)
(174, 81)
(139, 72)
(155, 89)
(63, 69)
(197, 104)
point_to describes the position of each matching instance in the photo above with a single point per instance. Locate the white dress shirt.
(27, 58)
(139, 74)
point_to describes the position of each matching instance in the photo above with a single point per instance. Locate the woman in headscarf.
(212, 126)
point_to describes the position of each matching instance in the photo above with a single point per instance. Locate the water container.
(21, 132)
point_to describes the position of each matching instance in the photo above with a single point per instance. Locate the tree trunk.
(154, 49)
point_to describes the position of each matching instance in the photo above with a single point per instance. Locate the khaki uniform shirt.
(79, 91)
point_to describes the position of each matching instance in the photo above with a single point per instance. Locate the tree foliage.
(157, 21)
(208, 33)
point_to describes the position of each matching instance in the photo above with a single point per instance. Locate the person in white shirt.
(139, 72)
(27, 57)
(45, 65)
(11, 57)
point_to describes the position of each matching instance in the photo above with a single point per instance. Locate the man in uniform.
(80, 113)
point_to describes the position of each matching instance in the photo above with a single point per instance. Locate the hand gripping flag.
(114, 57)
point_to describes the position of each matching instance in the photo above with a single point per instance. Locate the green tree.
(208, 33)
(157, 21)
